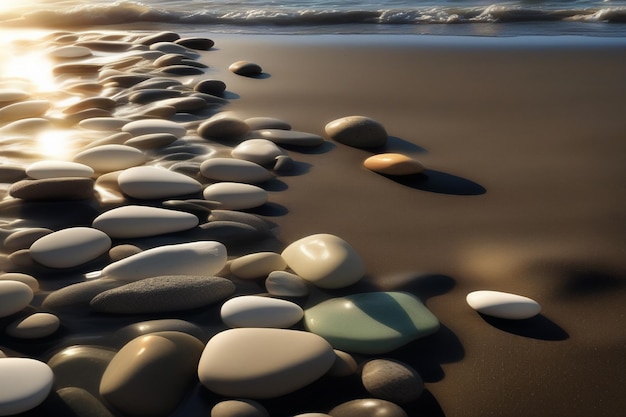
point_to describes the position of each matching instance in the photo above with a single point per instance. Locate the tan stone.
(393, 164)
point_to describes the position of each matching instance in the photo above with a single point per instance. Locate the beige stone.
(393, 164)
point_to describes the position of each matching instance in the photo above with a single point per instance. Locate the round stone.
(291, 137)
(55, 169)
(213, 87)
(22, 239)
(371, 323)
(245, 68)
(163, 294)
(357, 131)
(392, 381)
(223, 126)
(283, 164)
(14, 296)
(151, 374)
(344, 365)
(503, 305)
(35, 326)
(261, 151)
(325, 260)
(141, 221)
(393, 164)
(368, 407)
(11, 173)
(24, 384)
(234, 170)
(68, 188)
(194, 258)
(111, 157)
(148, 182)
(257, 265)
(25, 278)
(144, 127)
(263, 363)
(256, 311)
(235, 196)
(172, 48)
(286, 284)
(239, 408)
(70, 247)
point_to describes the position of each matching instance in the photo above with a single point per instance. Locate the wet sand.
(524, 193)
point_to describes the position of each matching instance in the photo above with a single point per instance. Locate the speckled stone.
(35, 326)
(162, 294)
(393, 164)
(286, 284)
(371, 323)
(25, 278)
(239, 408)
(368, 407)
(392, 380)
(79, 294)
(357, 131)
(150, 375)
(245, 68)
(22, 239)
(257, 265)
(53, 189)
(503, 305)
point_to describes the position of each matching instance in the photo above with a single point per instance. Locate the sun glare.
(30, 70)
(54, 144)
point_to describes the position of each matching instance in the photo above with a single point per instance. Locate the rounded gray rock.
(213, 87)
(392, 380)
(245, 68)
(357, 131)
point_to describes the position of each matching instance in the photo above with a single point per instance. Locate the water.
(606, 18)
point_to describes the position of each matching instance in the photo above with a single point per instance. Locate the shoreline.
(524, 193)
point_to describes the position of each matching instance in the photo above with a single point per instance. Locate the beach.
(523, 192)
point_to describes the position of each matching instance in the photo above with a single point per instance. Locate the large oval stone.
(79, 294)
(55, 169)
(195, 258)
(163, 294)
(503, 305)
(35, 326)
(325, 260)
(22, 239)
(70, 51)
(23, 110)
(393, 164)
(144, 127)
(234, 170)
(357, 131)
(111, 157)
(147, 182)
(256, 311)
(141, 221)
(235, 196)
(48, 189)
(24, 384)
(371, 323)
(70, 247)
(25, 278)
(14, 296)
(151, 374)
(263, 363)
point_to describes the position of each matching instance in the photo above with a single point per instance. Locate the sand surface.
(524, 192)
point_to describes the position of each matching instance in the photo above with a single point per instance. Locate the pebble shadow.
(396, 144)
(539, 327)
(439, 182)
(325, 147)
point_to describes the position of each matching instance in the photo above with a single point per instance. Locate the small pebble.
(503, 305)
(35, 326)
(393, 164)
(392, 380)
(245, 68)
(357, 131)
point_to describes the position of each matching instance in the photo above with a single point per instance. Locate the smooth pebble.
(148, 182)
(257, 265)
(48, 189)
(35, 326)
(291, 137)
(392, 380)
(234, 170)
(239, 408)
(144, 127)
(256, 311)
(263, 122)
(70, 247)
(14, 296)
(261, 151)
(23, 110)
(286, 284)
(235, 196)
(245, 68)
(223, 126)
(24, 384)
(357, 131)
(78, 294)
(110, 157)
(134, 221)
(393, 164)
(22, 239)
(25, 278)
(344, 365)
(55, 169)
(368, 407)
(503, 305)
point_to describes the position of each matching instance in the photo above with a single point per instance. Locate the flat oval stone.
(291, 137)
(261, 151)
(184, 104)
(263, 363)
(24, 110)
(172, 48)
(69, 188)
(79, 294)
(392, 380)
(168, 59)
(123, 251)
(503, 305)
(144, 127)
(286, 284)
(22, 239)
(14, 296)
(371, 323)
(203, 44)
(151, 374)
(35, 326)
(11, 173)
(393, 164)
(55, 169)
(235, 196)
(31, 125)
(150, 95)
(245, 68)
(165, 36)
(140, 221)
(257, 265)
(112, 157)
(147, 182)
(70, 51)
(24, 384)
(103, 124)
(181, 70)
(239, 408)
(223, 126)
(234, 170)
(103, 103)
(325, 260)
(357, 131)
(163, 294)
(213, 87)
(132, 331)
(151, 141)
(8, 95)
(368, 407)
(344, 365)
(256, 222)
(80, 366)
(70, 247)
(25, 278)
(205, 258)
(255, 311)
(259, 123)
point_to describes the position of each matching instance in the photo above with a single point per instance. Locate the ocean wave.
(125, 12)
